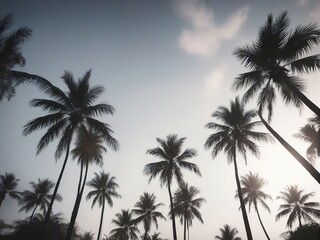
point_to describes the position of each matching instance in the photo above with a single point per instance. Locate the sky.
(166, 66)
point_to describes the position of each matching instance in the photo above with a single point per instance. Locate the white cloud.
(302, 2)
(204, 37)
(215, 80)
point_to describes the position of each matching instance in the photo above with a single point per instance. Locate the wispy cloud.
(204, 37)
(215, 80)
(302, 2)
(315, 13)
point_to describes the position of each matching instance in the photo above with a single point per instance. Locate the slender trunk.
(188, 231)
(80, 178)
(185, 227)
(2, 196)
(243, 208)
(56, 187)
(265, 232)
(314, 108)
(172, 215)
(313, 172)
(299, 218)
(34, 210)
(76, 206)
(101, 219)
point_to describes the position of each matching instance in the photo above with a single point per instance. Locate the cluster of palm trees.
(274, 61)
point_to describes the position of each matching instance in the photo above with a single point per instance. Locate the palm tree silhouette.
(39, 197)
(68, 112)
(186, 206)
(169, 167)
(228, 233)
(105, 188)
(89, 149)
(252, 194)
(274, 59)
(155, 236)
(296, 206)
(311, 133)
(87, 236)
(235, 134)
(8, 184)
(126, 228)
(146, 210)
(11, 56)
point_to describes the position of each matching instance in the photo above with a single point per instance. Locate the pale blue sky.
(166, 66)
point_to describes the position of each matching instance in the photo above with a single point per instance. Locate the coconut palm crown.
(275, 59)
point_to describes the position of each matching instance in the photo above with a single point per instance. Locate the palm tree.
(274, 59)
(105, 188)
(235, 134)
(311, 133)
(87, 236)
(11, 56)
(126, 227)
(296, 206)
(307, 231)
(228, 233)
(39, 197)
(172, 159)
(8, 183)
(146, 209)
(186, 206)
(68, 113)
(252, 194)
(89, 149)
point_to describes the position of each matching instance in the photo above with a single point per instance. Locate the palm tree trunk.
(314, 108)
(101, 219)
(313, 172)
(265, 232)
(77, 205)
(57, 186)
(80, 178)
(34, 210)
(243, 208)
(188, 231)
(184, 227)
(174, 230)
(2, 196)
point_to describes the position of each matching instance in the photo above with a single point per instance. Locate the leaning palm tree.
(69, 112)
(275, 59)
(8, 183)
(252, 194)
(236, 134)
(297, 207)
(126, 227)
(146, 210)
(172, 159)
(186, 206)
(11, 56)
(89, 149)
(105, 188)
(228, 233)
(39, 197)
(310, 133)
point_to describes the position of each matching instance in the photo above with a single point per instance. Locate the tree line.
(274, 60)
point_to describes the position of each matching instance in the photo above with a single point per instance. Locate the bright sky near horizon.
(166, 66)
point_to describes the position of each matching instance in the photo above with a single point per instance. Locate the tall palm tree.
(253, 194)
(39, 196)
(228, 233)
(11, 56)
(89, 149)
(236, 134)
(274, 59)
(8, 184)
(126, 227)
(105, 188)
(311, 133)
(186, 206)
(296, 206)
(146, 210)
(172, 161)
(69, 112)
